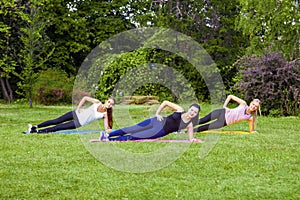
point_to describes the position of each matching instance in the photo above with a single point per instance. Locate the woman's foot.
(32, 129)
(103, 136)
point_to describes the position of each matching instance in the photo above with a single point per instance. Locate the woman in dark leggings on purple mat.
(79, 117)
(227, 116)
(158, 126)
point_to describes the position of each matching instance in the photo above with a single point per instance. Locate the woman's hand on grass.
(196, 140)
(159, 117)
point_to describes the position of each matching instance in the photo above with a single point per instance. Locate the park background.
(255, 45)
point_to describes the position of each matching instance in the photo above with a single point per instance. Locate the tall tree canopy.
(9, 28)
(73, 28)
(274, 23)
(210, 22)
(76, 27)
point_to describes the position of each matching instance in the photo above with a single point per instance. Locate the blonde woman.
(226, 116)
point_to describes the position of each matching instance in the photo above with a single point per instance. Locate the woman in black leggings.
(227, 116)
(79, 117)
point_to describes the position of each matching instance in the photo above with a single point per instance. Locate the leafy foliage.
(9, 27)
(35, 49)
(52, 87)
(211, 23)
(79, 26)
(73, 28)
(271, 23)
(272, 79)
(151, 73)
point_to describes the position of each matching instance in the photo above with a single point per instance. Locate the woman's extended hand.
(108, 130)
(159, 117)
(196, 140)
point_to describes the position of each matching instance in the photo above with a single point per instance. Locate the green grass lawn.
(55, 166)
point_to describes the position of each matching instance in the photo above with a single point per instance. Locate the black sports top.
(174, 123)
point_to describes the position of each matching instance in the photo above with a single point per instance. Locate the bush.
(78, 95)
(133, 69)
(272, 79)
(274, 113)
(148, 100)
(52, 87)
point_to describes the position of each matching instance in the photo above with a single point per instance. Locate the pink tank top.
(236, 114)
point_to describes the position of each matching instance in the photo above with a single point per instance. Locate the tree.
(211, 23)
(271, 23)
(76, 27)
(35, 47)
(9, 17)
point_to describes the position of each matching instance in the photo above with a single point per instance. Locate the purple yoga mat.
(151, 140)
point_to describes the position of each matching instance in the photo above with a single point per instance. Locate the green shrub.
(123, 75)
(52, 87)
(274, 113)
(139, 99)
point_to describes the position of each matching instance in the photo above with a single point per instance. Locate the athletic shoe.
(29, 128)
(103, 136)
(179, 131)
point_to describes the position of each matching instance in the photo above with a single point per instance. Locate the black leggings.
(70, 119)
(218, 115)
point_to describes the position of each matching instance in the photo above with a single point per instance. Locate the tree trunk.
(6, 89)
(10, 92)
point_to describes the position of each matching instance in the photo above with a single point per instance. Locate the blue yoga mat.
(71, 132)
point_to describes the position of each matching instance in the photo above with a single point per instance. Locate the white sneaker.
(103, 136)
(29, 128)
(179, 131)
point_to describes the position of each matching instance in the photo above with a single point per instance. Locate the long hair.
(196, 118)
(254, 114)
(110, 117)
(109, 112)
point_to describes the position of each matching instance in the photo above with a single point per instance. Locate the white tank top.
(236, 114)
(89, 114)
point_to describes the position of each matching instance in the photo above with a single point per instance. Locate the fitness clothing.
(174, 122)
(90, 114)
(72, 120)
(218, 115)
(237, 114)
(150, 128)
(223, 117)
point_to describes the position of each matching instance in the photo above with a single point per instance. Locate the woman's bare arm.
(234, 98)
(86, 98)
(190, 131)
(251, 125)
(164, 104)
(106, 126)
